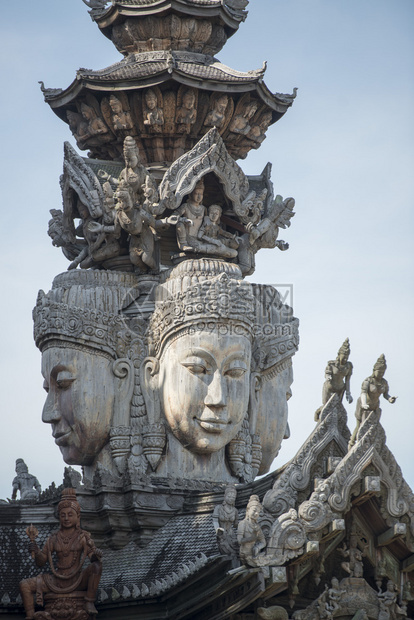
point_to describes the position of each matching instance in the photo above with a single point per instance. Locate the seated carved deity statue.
(371, 390)
(71, 546)
(26, 483)
(337, 377)
(215, 240)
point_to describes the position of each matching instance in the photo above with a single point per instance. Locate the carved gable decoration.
(209, 155)
(79, 178)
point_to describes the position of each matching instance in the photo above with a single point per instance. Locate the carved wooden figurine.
(354, 565)
(217, 116)
(240, 123)
(153, 114)
(121, 119)
(193, 211)
(249, 533)
(371, 390)
(26, 483)
(337, 377)
(67, 587)
(187, 114)
(264, 234)
(215, 240)
(225, 520)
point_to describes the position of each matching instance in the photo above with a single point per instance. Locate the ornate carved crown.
(83, 308)
(216, 299)
(276, 330)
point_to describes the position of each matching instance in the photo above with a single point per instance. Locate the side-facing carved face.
(272, 395)
(204, 388)
(79, 403)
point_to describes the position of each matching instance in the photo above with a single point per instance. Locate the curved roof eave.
(114, 14)
(184, 68)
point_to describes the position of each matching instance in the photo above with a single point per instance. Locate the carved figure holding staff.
(71, 546)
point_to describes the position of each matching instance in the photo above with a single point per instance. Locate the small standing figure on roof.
(71, 546)
(26, 483)
(249, 533)
(371, 391)
(225, 520)
(337, 377)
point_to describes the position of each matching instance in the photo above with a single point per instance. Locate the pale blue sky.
(344, 151)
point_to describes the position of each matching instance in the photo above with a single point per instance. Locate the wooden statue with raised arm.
(371, 391)
(337, 377)
(67, 588)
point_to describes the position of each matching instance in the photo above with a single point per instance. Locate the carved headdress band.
(215, 300)
(83, 308)
(276, 332)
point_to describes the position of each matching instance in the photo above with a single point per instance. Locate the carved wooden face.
(116, 105)
(189, 100)
(80, 400)
(68, 518)
(272, 413)
(151, 100)
(204, 388)
(230, 495)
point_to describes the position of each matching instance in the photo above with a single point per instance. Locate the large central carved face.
(204, 388)
(80, 402)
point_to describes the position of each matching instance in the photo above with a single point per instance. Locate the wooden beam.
(408, 564)
(398, 530)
